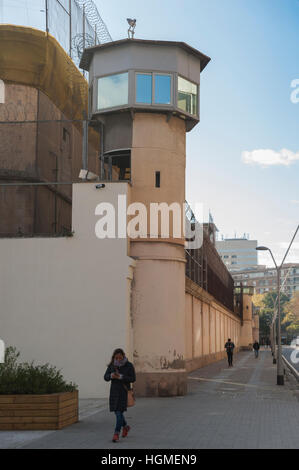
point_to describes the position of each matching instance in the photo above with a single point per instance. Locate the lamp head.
(262, 248)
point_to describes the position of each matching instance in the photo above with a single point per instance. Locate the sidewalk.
(239, 407)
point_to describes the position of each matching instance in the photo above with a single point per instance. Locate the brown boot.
(115, 437)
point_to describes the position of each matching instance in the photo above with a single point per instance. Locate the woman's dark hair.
(117, 351)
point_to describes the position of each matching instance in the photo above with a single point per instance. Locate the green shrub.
(29, 379)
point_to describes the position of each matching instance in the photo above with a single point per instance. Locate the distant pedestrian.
(121, 373)
(256, 348)
(268, 342)
(229, 346)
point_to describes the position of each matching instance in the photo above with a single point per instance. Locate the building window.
(113, 91)
(162, 89)
(144, 88)
(187, 96)
(158, 179)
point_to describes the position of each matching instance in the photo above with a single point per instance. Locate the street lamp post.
(274, 329)
(280, 376)
(274, 339)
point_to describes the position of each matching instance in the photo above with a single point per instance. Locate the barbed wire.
(79, 43)
(94, 18)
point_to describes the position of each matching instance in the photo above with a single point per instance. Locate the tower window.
(113, 91)
(158, 179)
(144, 88)
(187, 96)
(162, 89)
(154, 88)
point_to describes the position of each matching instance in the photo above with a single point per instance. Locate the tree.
(266, 303)
(291, 320)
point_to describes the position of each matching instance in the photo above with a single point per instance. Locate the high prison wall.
(208, 325)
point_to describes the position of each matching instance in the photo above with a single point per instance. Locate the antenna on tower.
(131, 30)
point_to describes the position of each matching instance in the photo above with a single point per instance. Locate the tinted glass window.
(113, 91)
(144, 87)
(187, 96)
(162, 89)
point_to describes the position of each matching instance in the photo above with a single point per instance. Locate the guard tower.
(146, 96)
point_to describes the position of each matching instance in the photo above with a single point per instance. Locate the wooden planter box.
(38, 412)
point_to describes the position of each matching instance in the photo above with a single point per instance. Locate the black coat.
(118, 394)
(229, 346)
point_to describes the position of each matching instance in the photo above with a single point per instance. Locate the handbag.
(131, 401)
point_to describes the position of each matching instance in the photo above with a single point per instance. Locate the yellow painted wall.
(197, 328)
(212, 325)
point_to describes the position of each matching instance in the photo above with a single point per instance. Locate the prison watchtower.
(145, 93)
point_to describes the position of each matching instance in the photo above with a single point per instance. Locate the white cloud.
(268, 157)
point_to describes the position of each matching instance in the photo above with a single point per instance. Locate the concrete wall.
(65, 301)
(208, 325)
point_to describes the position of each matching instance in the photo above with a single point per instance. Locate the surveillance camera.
(132, 22)
(100, 186)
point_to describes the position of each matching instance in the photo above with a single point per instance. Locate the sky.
(243, 157)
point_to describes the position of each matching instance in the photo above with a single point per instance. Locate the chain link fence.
(76, 24)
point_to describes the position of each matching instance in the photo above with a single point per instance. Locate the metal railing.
(205, 267)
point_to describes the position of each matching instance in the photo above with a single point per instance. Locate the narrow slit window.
(158, 179)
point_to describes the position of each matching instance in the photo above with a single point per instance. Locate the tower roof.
(88, 53)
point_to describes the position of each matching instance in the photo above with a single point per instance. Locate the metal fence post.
(85, 142)
(71, 32)
(47, 15)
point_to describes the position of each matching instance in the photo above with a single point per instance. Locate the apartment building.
(238, 253)
(264, 279)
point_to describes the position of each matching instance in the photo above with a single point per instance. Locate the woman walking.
(121, 373)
